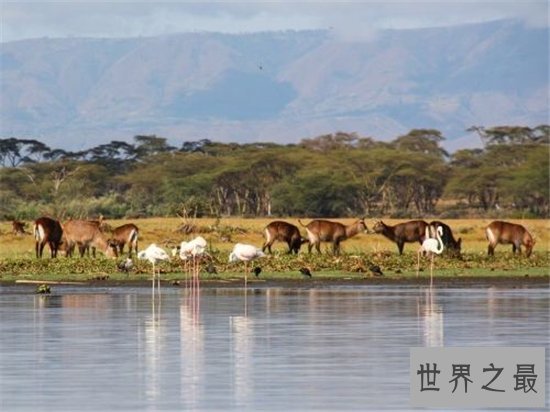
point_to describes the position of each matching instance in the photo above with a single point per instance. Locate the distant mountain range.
(74, 93)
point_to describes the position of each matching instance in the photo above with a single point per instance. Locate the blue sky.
(351, 20)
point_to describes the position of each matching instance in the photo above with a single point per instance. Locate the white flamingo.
(431, 246)
(193, 250)
(245, 253)
(154, 254)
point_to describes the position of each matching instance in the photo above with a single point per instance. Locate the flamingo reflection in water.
(192, 354)
(155, 331)
(242, 348)
(430, 315)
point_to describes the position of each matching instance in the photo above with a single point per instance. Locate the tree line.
(333, 175)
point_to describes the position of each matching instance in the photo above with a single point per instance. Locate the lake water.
(332, 348)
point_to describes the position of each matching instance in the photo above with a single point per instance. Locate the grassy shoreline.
(17, 261)
(449, 276)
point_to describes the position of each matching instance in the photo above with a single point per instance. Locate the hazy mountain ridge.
(280, 86)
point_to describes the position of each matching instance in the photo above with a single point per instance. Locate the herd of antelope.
(84, 234)
(88, 234)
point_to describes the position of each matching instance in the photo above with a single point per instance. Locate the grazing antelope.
(86, 234)
(452, 246)
(506, 233)
(326, 231)
(283, 232)
(47, 230)
(411, 231)
(126, 234)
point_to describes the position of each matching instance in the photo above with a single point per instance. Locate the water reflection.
(431, 317)
(294, 349)
(154, 337)
(241, 329)
(191, 349)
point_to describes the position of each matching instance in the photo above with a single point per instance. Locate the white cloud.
(351, 20)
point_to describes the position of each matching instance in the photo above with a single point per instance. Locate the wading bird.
(305, 272)
(431, 246)
(192, 251)
(210, 268)
(245, 253)
(375, 270)
(125, 265)
(154, 254)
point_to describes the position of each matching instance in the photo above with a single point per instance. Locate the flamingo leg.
(153, 286)
(158, 283)
(418, 262)
(186, 269)
(432, 272)
(197, 273)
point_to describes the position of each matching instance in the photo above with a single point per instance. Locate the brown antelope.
(18, 228)
(411, 231)
(452, 246)
(326, 231)
(283, 232)
(127, 233)
(47, 230)
(506, 233)
(86, 234)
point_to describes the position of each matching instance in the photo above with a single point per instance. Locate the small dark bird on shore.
(210, 268)
(125, 265)
(305, 272)
(43, 289)
(375, 270)
(257, 270)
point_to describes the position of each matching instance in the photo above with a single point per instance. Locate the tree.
(512, 135)
(425, 141)
(149, 145)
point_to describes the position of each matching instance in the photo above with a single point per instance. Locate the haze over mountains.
(74, 93)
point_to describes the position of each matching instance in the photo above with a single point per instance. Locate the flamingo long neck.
(439, 240)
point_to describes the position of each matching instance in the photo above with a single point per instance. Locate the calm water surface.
(287, 349)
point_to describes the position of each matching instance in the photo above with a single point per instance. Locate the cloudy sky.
(351, 20)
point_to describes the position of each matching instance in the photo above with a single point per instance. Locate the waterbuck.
(283, 232)
(127, 233)
(452, 246)
(86, 234)
(411, 231)
(326, 231)
(47, 230)
(505, 233)
(18, 228)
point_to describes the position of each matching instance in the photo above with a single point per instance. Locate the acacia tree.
(512, 135)
(14, 151)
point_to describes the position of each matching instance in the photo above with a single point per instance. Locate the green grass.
(17, 255)
(284, 268)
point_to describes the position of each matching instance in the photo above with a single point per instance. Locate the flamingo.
(193, 249)
(154, 254)
(245, 253)
(431, 246)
